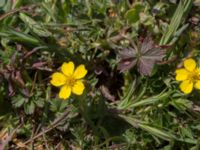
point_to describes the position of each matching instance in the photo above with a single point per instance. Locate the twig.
(33, 51)
(128, 3)
(32, 142)
(120, 36)
(52, 126)
(9, 138)
(131, 42)
(106, 93)
(34, 81)
(45, 141)
(15, 11)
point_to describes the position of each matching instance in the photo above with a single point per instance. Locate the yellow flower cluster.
(69, 79)
(189, 75)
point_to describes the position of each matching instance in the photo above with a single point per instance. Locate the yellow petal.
(65, 92)
(198, 71)
(181, 74)
(58, 79)
(190, 64)
(197, 84)
(78, 88)
(68, 68)
(80, 72)
(186, 86)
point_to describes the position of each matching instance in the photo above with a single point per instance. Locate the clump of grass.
(130, 51)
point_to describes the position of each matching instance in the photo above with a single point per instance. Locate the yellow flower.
(189, 75)
(69, 80)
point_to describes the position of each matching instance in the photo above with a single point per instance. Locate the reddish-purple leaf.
(147, 44)
(145, 66)
(147, 55)
(126, 64)
(128, 59)
(128, 53)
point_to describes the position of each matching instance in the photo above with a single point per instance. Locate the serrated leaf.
(128, 60)
(58, 105)
(29, 107)
(18, 101)
(145, 57)
(186, 132)
(39, 102)
(150, 54)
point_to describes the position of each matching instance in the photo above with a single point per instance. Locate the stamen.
(194, 76)
(71, 81)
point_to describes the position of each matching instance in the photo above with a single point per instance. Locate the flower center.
(71, 81)
(194, 76)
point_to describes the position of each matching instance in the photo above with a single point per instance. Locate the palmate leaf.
(128, 59)
(144, 57)
(150, 55)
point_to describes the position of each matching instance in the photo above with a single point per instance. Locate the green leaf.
(29, 107)
(181, 104)
(2, 3)
(58, 105)
(151, 100)
(132, 15)
(19, 36)
(39, 102)
(177, 19)
(186, 132)
(127, 99)
(152, 130)
(158, 132)
(18, 101)
(34, 26)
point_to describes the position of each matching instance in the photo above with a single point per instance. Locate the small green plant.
(141, 59)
